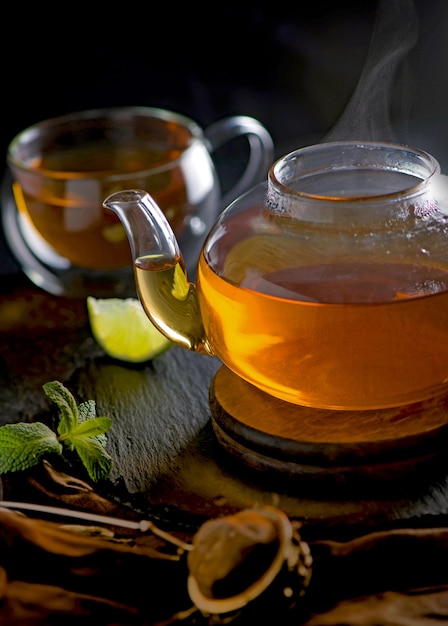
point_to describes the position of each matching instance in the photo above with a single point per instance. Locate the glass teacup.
(62, 169)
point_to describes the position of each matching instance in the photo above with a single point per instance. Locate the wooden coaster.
(269, 434)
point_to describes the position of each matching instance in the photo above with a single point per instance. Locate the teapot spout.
(168, 298)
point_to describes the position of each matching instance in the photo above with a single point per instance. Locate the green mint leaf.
(86, 410)
(92, 427)
(102, 439)
(23, 445)
(66, 405)
(96, 460)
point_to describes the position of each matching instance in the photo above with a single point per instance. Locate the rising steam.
(379, 106)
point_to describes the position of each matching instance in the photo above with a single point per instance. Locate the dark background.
(292, 66)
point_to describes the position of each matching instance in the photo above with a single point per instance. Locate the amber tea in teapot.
(281, 328)
(327, 287)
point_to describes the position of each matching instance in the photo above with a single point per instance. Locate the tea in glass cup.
(63, 168)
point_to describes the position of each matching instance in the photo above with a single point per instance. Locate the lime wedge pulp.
(122, 329)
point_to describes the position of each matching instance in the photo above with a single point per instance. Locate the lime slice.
(122, 329)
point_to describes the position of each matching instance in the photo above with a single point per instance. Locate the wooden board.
(282, 438)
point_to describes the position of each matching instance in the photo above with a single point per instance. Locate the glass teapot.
(325, 286)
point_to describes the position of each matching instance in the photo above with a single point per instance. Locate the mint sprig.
(23, 445)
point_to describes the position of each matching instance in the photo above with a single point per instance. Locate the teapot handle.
(261, 151)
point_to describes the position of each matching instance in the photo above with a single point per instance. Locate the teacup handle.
(261, 150)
